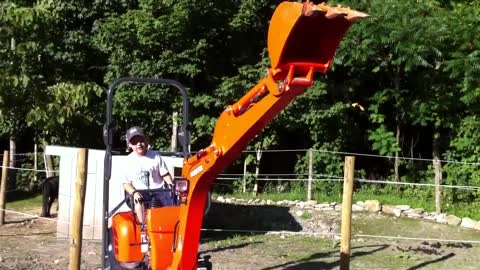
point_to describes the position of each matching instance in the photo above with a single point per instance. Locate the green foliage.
(66, 103)
(464, 148)
(383, 141)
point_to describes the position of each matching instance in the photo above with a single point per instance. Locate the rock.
(1, 259)
(397, 212)
(413, 214)
(469, 223)
(403, 207)
(299, 213)
(220, 199)
(301, 204)
(270, 202)
(357, 208)
(388, 209)
(441, 218)
(453, 220)
(373, 206)
(429, 216)
(310, 203)
(56, 261)
(322, 206)
(228, 200)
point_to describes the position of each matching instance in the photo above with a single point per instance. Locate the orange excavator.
(302, 40)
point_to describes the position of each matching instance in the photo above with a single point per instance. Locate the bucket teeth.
(332, 12)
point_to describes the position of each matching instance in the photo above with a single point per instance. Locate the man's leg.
(139, 209)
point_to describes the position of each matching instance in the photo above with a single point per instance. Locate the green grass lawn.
(21, 200)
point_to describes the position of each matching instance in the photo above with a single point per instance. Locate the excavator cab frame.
(127, 219)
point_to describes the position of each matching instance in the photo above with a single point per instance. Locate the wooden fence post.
(77, 221)
(347, 213)
(310, 174)
(3, 187)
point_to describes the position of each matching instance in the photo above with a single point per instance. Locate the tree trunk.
(34, 180)
(397, 163)
(13, 152)
(13, 172)
(257, 171)
(173, 146)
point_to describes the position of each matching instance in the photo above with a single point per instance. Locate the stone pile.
(373, 206)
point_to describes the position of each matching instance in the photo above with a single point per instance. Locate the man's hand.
(137, 197)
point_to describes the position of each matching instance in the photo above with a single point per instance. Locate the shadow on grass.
(20, 220)
(52, 217)
(423, 264)
(228, 247)
(21, 195)
(28, 234)
(310, 263)
(232, 219)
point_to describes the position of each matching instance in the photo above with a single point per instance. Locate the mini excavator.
(302, 40)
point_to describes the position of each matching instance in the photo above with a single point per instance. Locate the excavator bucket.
(306, 35)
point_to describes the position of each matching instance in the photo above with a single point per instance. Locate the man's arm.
(129, 188)
(168, 178)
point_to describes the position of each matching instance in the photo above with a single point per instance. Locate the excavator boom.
(302, 40)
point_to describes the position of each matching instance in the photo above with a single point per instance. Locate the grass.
(22, 199)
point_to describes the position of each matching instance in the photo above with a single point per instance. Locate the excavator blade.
(305, 34)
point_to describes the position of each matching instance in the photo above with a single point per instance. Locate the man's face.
(138, 145)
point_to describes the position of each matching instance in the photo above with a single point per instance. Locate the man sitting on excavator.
(145, 170)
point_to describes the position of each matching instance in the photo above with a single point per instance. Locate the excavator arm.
(302, 40)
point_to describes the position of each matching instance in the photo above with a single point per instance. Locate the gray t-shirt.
(145, 172)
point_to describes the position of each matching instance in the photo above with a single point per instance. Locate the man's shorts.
(157, 199)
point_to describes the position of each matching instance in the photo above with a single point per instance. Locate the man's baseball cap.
(134, 131)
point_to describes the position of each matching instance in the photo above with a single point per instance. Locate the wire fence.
(280, 232)
(311, 177)
(40, 168)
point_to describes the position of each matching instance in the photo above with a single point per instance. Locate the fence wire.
(283, 232)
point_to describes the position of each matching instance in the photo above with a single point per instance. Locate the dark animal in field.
(49, 188)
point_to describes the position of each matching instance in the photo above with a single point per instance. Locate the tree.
(405, 46)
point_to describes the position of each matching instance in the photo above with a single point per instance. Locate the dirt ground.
(31, 243)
